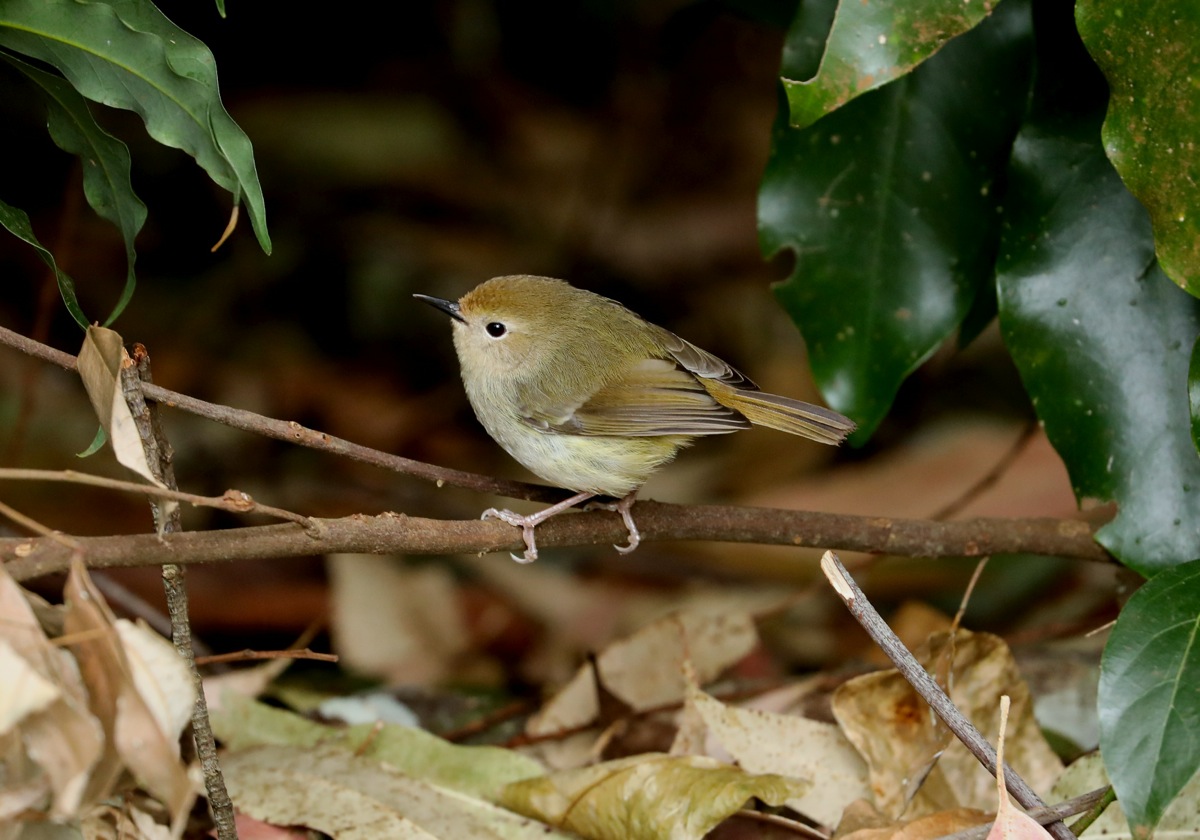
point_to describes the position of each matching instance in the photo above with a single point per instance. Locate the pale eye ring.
(496, 330)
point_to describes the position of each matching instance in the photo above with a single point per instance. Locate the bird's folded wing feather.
(654, 397)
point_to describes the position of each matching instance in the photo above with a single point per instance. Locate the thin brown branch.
(234, 501)
(925, 685)
(388, 533)
(992, 476)
(161, 456)
(293, 432)
(248, 655)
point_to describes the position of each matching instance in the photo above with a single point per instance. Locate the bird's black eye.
(495, 329)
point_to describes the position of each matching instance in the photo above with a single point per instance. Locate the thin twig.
(991, 477)
(248, 655)
(160, 457)
(31, 524)
(927, 687)
(781, 822)
(293, 432)
(234, 501)
(1051, 813)
(1108, 797)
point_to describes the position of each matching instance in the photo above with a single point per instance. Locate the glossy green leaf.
(890, 207)
(1102, 340)
(1149, 685)
(871, 44)
(1150, 54)
(17, 223)
(126, 54)
(104, 159)
(1194, 393)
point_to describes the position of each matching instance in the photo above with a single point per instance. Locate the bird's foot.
(528, 523)
(623, 507)
(517, 521)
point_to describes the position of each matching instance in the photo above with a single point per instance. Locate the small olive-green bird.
(591, 397)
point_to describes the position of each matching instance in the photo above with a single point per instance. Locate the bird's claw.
(517, 521)
(622, 507)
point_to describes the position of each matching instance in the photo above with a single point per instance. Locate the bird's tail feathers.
(784, 414)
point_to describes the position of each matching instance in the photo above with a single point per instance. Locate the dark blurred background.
(426, 149)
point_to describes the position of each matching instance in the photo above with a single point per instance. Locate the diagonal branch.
(292, 432)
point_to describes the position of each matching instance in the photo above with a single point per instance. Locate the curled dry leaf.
(134, 738)
(60, 742)
(1011, 822)
(1087, 773)
(646, 797)
(477, 771)
(645, 670)
(329, 788)
(404, 624)
(788, 745)
(928, 827)
(902, 740)
(100, 361)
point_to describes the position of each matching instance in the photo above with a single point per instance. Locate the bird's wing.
(730, 387)
(653, 397)
(701, 363)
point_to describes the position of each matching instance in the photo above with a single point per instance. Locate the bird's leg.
(528, 523)
(622, 507)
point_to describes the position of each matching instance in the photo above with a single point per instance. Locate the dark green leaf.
(17, 223)
(871, 44)
(104, 159)
(1102, 340)
(890, 207)
(1149, 685)
(1150, 54)
(1194, 393)
(126, 54)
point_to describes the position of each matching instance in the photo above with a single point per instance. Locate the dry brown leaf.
(329, 788)
(789, 745)
(61, 737)
(401, 623)
(100, 361)
(133, 733)
(1011, 822)
(896, 732)
(646, 797)
(927, 827)
(645, 669)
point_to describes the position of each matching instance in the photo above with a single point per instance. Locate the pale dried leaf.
(66, 743)
(789, 745)
(646, 797)
(25, 690)
(1011, 822)
(63, 738)
(897, 734)
(477, 771)
(100, 361)
(341, 794)
(928, 827)
(149, 753)
(1087, 773)
(401, 623)
(645, 669)
(160, 676)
